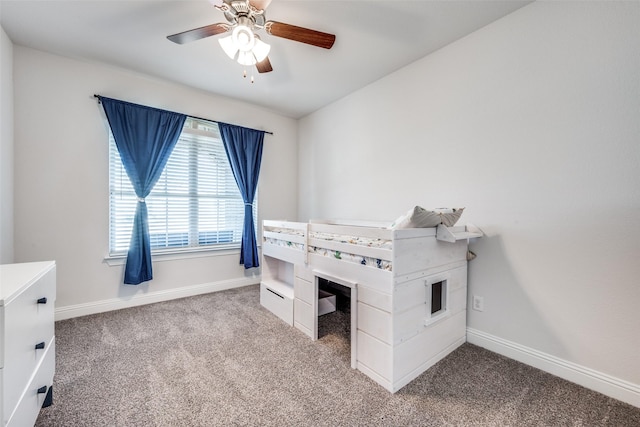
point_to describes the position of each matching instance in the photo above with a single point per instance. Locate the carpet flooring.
(221, 359)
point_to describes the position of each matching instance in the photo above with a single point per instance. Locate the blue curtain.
(244, 150)
(144, 137)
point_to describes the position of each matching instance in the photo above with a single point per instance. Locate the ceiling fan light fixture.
(243, 45)
(243, 38)
(228, 46)
(246, 58)
(261, 50)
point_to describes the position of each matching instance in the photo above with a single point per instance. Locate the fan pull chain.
(244, 75)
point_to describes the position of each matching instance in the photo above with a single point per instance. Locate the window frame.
(441, 281)
(193, 130)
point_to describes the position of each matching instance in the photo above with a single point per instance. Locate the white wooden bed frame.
(394, 334)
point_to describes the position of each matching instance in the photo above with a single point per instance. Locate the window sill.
(113, 260)
(437, 318)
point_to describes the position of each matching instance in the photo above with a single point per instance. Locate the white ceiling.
(373, 38)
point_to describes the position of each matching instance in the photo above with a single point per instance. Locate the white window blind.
(194, 205)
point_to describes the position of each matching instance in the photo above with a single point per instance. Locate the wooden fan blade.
(260, 4)
(264, 66)
(299, 34)
(198, 33)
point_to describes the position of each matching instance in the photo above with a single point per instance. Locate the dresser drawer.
(303, 272)
(28, 333)
(303, 316)
(27, 410)
(277, 298)
(304, 290)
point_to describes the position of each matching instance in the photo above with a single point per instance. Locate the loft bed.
(384, 250)
(408, 288)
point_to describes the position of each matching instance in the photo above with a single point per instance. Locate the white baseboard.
(78, 310)
(586, 377)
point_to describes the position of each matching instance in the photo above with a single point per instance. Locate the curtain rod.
(194, 117)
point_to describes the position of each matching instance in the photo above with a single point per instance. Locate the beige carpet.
(222, 360)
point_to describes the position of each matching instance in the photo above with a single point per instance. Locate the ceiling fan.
(244, 17)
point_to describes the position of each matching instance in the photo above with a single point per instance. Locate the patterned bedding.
(358, 259)
(344, 256)
(285, 243)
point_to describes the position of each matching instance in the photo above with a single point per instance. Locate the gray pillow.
(419, 217)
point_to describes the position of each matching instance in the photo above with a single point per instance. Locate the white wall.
(533, 124)
(61, 176)
(6, 148)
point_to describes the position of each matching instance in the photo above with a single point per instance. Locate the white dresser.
(27, 341)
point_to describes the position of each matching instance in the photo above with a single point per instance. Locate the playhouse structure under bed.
(408, 289)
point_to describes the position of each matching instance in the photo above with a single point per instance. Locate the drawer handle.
(40, 345)
(42, 390)
(275, 293)
(42, 300)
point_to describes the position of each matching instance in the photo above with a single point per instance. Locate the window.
(437, 299)
(194, 205)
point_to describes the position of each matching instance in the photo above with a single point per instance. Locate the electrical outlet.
(478, 303)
